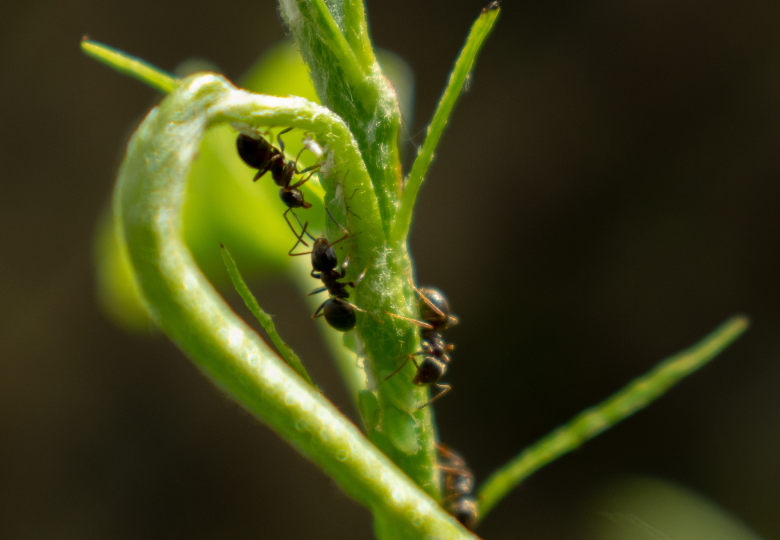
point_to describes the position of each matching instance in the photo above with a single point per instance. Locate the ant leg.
(406, 359)
(290, 253)
(279, 138)
(421, 324)
(300, 183)
(299, 237)
(455, 459)
(313, 168)
(319, 310)
(363, 311)
(317, 291)
(295, 164)
(345, 231)
(345, 264)
(363, 273)
(449, 498)
(260, 173)
(348, 199)
(302, 226)
(445, 388)
(315, 274)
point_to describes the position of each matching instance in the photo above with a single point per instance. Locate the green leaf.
(463, 67)
(129, 65)
(263, 318)
(633, 397)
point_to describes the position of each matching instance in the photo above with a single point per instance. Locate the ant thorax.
(434, 345)
(283, 172)
(340, 315)
(461, 482)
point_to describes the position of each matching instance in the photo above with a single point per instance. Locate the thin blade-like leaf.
(130, 65)
(633, 397)
(480, 31)
(262, 317)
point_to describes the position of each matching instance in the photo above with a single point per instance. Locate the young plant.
(391, 467)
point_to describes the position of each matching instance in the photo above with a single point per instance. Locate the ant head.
(323, 256)
(293, 198)
(254, 152)
(440, 320)
(340, 315)
(430, 371)
(464, 509)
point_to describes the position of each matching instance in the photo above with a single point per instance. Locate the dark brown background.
(605, 194)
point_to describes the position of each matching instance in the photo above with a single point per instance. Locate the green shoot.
(262, 317)
(130, 65)
(633, 397)
(480, 31)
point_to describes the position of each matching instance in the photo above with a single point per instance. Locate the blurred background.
(605, 194)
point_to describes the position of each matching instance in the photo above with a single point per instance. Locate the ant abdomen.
(465, 510)
(254, 152)
(440, 320)
(430, 370)
(340, 315)
(458, 483)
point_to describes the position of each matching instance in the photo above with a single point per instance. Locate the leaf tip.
(493, 6)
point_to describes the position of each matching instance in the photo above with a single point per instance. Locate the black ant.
(436, 317)
(260, 154)
(338, 312)
(458, 485)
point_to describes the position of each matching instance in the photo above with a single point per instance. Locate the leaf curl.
(148, 204)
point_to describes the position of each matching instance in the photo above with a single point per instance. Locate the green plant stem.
(586, 425)
(356, 32)
(130, 65)
(480, 31)
(359, 93)
(263, 318)
(148, 207)
(370, 109)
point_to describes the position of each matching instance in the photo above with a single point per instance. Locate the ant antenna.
(303, 229)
